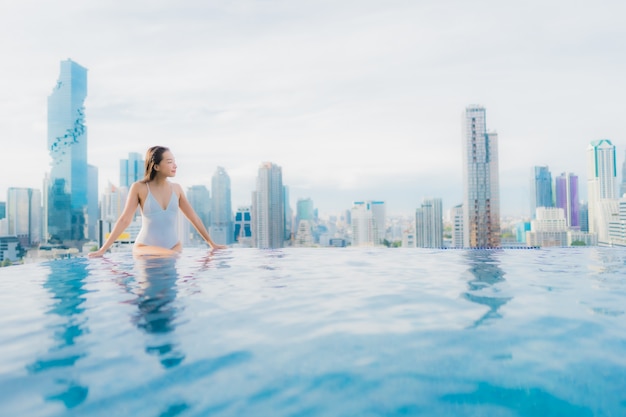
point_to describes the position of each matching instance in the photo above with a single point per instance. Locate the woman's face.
(167, 166)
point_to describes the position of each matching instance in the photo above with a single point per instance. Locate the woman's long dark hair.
(154, 156)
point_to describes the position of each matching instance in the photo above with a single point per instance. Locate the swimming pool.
(317, 332)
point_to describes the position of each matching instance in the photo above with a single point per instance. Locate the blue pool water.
(317, 332)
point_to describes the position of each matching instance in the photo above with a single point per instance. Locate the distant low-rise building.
(549, 228)
(10, 249)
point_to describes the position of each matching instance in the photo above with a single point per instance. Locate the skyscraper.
(429, 224)
(268, 206)
(601, 186)
(24, 215)
(566, 187)
(131, 169)
(200, 200)
(368, 223)
(221, 208)
(622, 188)
(481, 202)
(304, 210)
(68, 183)
(540, 189)
(456, 216)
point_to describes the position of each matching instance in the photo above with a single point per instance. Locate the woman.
(159, 200)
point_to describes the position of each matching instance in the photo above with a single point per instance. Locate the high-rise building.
(199, 198)
(622, 188)
(601, 187)
(584, 216)
(131, 169)
(268, 206)
(540, 189)
(456, 217)
(221, 208)
(3, 210)
(429, 224)
(69, 209)
(289, 229)
(617, 228)
(24, 215)
(481, 192)
(368, 223)
(566, 187)
(112, 203)
(305, 210)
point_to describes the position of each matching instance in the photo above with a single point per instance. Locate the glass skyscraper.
(221, 208)
(131, 169)
(540, 189)
(200, 200)
(481, 192)
(268, 207)
(67, 189)
(304, 210)
(566, 186)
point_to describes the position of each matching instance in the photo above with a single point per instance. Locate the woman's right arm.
(132, 202)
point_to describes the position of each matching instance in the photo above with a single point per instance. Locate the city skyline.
(367, 108)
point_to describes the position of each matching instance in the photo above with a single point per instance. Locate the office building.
(305, 210)
(429, 224)
(481, 193)
(549, 228)
(622, 188)
(199, 198)
(10, 250)
(601, 187)
(70, 211)
(540, 188)
(566, 187)
(24, 215)
(221, 208)
(368, 223)
(268, 204)
(584, 216)
(131, 169)
(617, 227)
(456, 217)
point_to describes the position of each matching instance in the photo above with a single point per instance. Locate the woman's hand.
(97, 254)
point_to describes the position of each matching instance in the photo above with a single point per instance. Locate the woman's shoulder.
(138, 185)
(177, 187)
(139, 188)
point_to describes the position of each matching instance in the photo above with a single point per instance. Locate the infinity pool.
(317, 332)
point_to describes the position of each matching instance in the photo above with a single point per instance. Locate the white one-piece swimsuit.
(158, 226)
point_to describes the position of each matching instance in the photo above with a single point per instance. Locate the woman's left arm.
(195, 220)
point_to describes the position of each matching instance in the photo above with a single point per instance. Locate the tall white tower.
(221, 208)
(268, 206)
(601, 186)
(429, 224)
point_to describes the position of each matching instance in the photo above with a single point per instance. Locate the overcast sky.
(354, 99)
